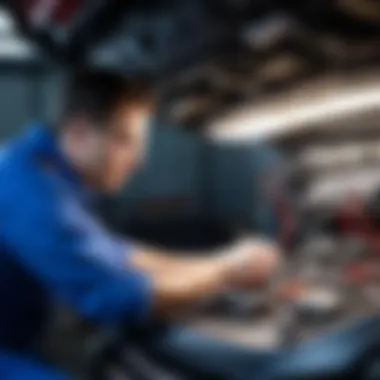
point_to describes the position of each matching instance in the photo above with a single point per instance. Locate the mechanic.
(52, 248)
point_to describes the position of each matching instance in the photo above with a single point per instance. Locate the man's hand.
(183, 281)
(252, 262)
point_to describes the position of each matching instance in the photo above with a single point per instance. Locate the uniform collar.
(44, 144)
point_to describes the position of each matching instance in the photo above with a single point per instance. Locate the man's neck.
(73, 158)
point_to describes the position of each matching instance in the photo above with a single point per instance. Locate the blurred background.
(267, 122)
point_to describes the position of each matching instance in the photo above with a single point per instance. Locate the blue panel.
(238, 194)
(172, 169)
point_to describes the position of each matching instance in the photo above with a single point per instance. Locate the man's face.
(125, 145)
(110, 154)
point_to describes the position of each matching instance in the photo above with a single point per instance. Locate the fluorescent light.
(6, 22)
(338, 186)
(12, 48)
(316, 104)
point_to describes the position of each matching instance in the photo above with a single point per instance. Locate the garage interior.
(262, 104)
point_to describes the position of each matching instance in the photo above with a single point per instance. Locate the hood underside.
(206, 58)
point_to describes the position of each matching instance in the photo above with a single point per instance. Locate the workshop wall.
(19, 93)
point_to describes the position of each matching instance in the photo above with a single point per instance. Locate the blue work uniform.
(51, 248)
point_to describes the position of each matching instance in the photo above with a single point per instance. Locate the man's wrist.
(224, 268)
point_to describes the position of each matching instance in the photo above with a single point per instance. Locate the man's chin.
(111, 190)
(114, 187)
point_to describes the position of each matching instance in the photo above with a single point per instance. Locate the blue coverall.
(52, 248)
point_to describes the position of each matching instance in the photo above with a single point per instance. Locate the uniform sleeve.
(74, 257)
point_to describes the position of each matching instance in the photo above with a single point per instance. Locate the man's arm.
(103, 278)
(158, 260)
(182, 287)
(261, 257)
(181, 279)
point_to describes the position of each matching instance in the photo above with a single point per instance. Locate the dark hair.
(97, 94)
